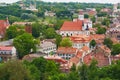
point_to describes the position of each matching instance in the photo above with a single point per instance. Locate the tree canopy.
(36, 30)
(108, 42)
(66, 42)
(115, 49)
(92, 43)
(11, 32)
(24, 44)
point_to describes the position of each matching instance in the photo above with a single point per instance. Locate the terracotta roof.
(85, 48)
(87, 59)
(100, 57)
(91, 12)
(55, 58)
(80, 38)
(97, 36)
(79, 54)
(71, 26)
(3, 26)
(81, 12)
(75, 60)
(67, 50)
(105, 48)
(6, 48)
(30, 57)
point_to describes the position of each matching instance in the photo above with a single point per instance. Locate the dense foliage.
(24, 44)
(66, 42)
(93, 43)
(108, 42)
(41, 69)
(115, 49)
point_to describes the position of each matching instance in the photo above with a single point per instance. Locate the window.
(4, 52)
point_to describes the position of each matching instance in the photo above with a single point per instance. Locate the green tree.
(101, 30)
(36, 30)
(50, 33)
(62, 76)
(46, 68)
(93, 19)
(13, 19)
(107, 78)
(58, 40)
(92, 43)
(24, 44)
(73, 68)
(11, 32)
(40, 63)
(108, 42)
(34, 72)
(102, 14)
(83, 72)
(96, 25)
(66, 42)
(52, 68)
(93, 71)
(14, 70)
(28, 16)
(115, 49)
(86, 15)
(73, 76)
(106, 22)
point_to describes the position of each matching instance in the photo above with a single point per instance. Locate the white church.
(78, 26)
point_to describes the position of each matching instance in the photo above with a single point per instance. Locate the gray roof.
(6, 43)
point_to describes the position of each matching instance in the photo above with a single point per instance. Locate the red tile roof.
(71, 26)
(3, 26)
(87, 59)
(97, 36)
(80, 38)
(76, 59)
(81, 12)
(67, 50)
(6, 48)
(55, 58)
(85, 48)
(106, 49)
(91, 12)
(100, 57)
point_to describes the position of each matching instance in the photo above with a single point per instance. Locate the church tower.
(81, 16)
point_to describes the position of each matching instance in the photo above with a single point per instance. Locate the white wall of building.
(71, 33)
(46, 47)
(80, 45)
(81, 17)
(66, 56)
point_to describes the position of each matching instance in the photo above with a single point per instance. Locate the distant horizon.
(81, 1)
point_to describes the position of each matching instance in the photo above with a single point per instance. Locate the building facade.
(76, 27)
(79, 41)
(66, 52)
(7, 53)
(46, 47)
